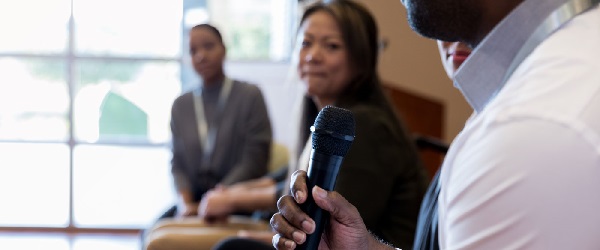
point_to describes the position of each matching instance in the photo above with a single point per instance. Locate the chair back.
(280, 157)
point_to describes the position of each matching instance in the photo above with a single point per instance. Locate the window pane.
(34, 26)
(34, 99)
(34, 185)
(105, 242)
(27, 241)
(252, 29)
(132, 27)
(120, 186)
(125, 100)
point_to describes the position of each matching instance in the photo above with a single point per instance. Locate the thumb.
(220, 187)
(339, 208)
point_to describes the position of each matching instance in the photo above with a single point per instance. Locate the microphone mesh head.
(333, 131)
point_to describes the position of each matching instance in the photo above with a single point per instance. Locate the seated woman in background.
(221, 131)
(337, 63)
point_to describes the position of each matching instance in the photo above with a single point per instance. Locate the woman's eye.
(333, 46)
(305, 44)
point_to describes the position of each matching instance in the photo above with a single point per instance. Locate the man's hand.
(346, 229)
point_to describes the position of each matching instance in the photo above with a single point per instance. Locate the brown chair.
(194, 234)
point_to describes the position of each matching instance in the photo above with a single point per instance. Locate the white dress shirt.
(525, 171)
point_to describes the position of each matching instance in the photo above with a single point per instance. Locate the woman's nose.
(313, 54)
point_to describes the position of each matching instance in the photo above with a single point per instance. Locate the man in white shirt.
(525, 171)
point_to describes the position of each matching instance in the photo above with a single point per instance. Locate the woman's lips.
(314, 74)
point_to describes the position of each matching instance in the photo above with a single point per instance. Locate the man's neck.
(494, 12)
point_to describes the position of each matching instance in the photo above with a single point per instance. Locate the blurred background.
(86, 88)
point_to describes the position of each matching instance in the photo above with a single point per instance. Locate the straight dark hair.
(361, 36)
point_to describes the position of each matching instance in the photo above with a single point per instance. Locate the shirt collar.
(482, 74)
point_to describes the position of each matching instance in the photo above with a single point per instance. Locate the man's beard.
(446, 20)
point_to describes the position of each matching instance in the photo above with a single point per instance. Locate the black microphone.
(333, 133)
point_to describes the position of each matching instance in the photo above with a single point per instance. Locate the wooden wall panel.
(422, 116)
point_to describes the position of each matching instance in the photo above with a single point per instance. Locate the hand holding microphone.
(333, 133)
(331, 213)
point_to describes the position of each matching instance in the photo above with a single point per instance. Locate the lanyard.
(207, 134)
(556, 19)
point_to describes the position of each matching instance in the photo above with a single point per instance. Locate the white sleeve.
(524, 184)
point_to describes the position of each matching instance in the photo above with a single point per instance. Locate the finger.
(339, 208)
(290, 210)
(187, 213)
(282, 243)
(298, 186)
(202, 208)
(286, 230)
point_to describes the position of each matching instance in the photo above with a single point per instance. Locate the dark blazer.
(382, 175)
(242, 146)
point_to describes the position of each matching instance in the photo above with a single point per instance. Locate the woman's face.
(323, 58)
(208, 54)
(453, 55)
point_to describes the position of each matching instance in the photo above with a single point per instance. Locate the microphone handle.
(322, 172)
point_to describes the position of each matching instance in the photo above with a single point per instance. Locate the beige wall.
(413, 63)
